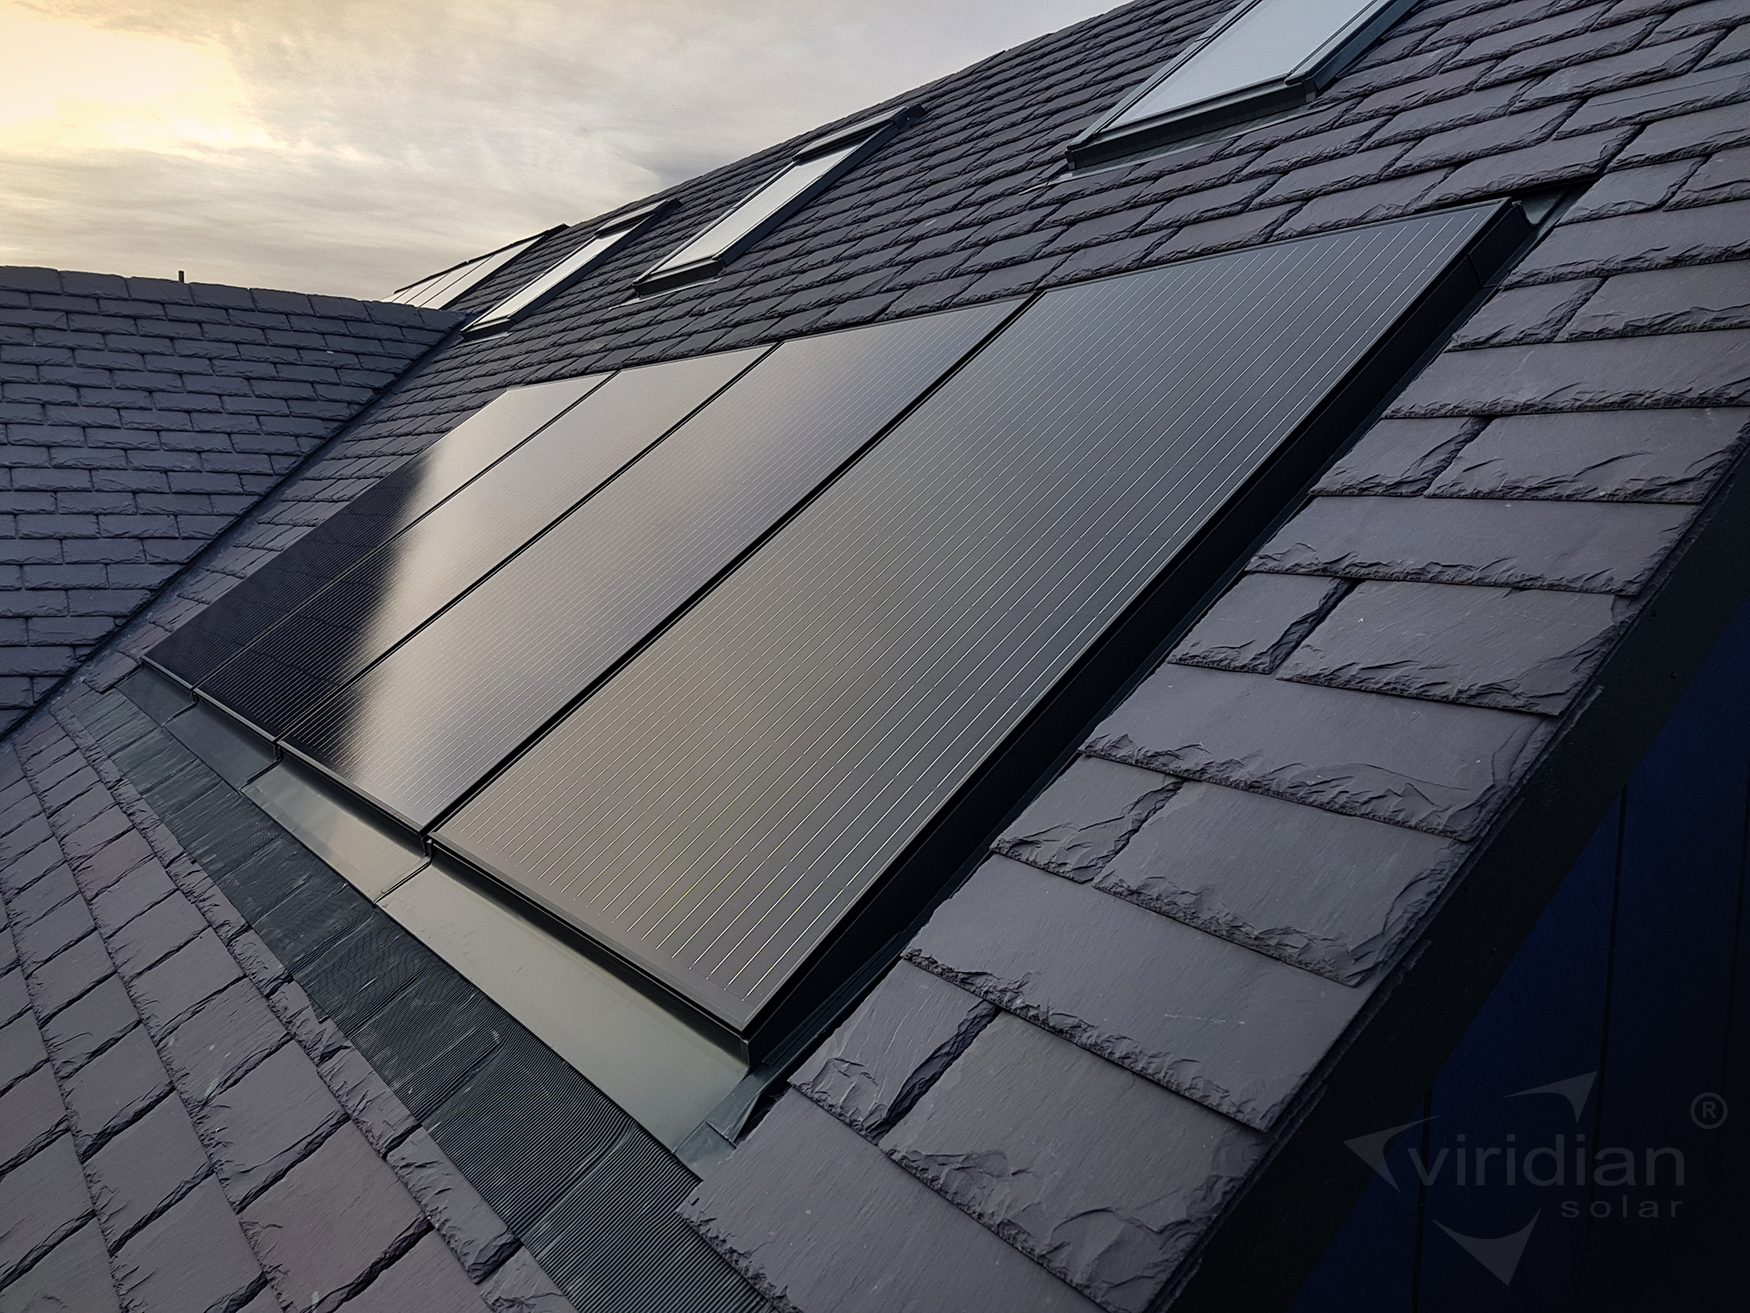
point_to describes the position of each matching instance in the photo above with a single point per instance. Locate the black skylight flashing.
(862, 137)
(1112, 138)
(565, 271)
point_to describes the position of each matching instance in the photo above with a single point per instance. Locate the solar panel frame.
(518, 834)
(413, 732)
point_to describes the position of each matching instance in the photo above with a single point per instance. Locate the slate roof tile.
(1526, 314)
(1084, 817)
(871, 1070)
(1243, 1031)
(1516, 649)
(230, 1033)
(74, 1275)
(1111, 1214)
(112, 1089)
(31, 1114)
(145, 1169)
(69, 974)
(869, 1238)
(1577, 546)
(1257, 622)
(42, 1201)
(1724, 176)
(474, 1232)
(193, 1256)
(1425, 765)
(82, 1030)
(1701, 297)
(1603, 455)
(427, 1278)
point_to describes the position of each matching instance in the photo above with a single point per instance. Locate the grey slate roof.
(139, 418)
(1051, 1100)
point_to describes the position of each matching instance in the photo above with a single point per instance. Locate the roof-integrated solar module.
(428, 721)
(717, 808)
(361, 526)
(383, 598)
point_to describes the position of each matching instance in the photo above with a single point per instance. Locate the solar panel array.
(698, 662)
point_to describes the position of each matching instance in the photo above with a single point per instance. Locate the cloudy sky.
(352, 145)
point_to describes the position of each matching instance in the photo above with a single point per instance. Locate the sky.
(351, 146)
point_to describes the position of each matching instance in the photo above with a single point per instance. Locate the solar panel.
(368, 521)
(426, 722)
(717, 808)
(383, 598)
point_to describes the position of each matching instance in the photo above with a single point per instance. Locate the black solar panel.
(429, 720)
(719, 805)
(209, 640)
(369, 608)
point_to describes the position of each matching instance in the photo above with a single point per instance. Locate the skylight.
(440, 289)
(809, 173)
(603, 240)
(1265, 56)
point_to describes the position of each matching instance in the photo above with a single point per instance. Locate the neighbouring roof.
(1047, 1102)
(141, 418)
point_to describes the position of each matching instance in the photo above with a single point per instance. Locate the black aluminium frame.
(1108, 138)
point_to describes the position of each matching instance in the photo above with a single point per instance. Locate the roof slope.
(1010, 1117)
(138, 419)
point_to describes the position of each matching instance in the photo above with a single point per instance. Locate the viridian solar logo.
(1556, 1177)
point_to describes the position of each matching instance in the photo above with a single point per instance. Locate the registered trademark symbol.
(1708, 1111)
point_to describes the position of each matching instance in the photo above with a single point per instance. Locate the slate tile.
(267, 1121)
(155, 1161)
(14, 995)
(113, 861)
(1722, 177)
(192, 1257)
(70, 973)
(23, 865)
(42, 1199)
(114, 1087)
(817, 1218)
(1257, 622)
(64, 925)
(1333, 175)
(329, 1222)
(1676, 369)
(1668, 301)
(1516, 649)
(1427, 765)
(125, 899)
(1601, 455)
(1582, 546)
(230, 1032)
(1012, 1136)
(41, 897)
(170, 990)
(1084, 816)
(426, 1278)
(1525, 314)
(520, 1286)
(82, 1029)
(1642, 61)
(896, 1043)
(464, 1220)
(140, 944)
(73, 1277)
(1654, 240)
(1717, 121)
(367, 1098)
(1233, 1029)
(31, 1114)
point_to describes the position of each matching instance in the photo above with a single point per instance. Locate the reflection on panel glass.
(370, 608)
(361, 526)
(718, 806)
(428, 721)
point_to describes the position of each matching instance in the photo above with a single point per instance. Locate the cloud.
(334, 146)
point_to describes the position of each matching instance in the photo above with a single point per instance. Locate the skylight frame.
(459, 279)
(1115, 136)
(566, 270)
(854, 143)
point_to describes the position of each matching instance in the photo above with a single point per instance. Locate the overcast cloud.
(352, 145)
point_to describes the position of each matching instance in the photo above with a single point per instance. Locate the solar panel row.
(743, 626)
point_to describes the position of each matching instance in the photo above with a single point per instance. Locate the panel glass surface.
(364, 524)
(429, 720)
(384, 598)
(440, 289)
(716, 808)
(1265, 44)
(760, 206)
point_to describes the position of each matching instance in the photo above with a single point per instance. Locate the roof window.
(1264, 57)
(808, 173)
(440, 289)
(598, 244)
